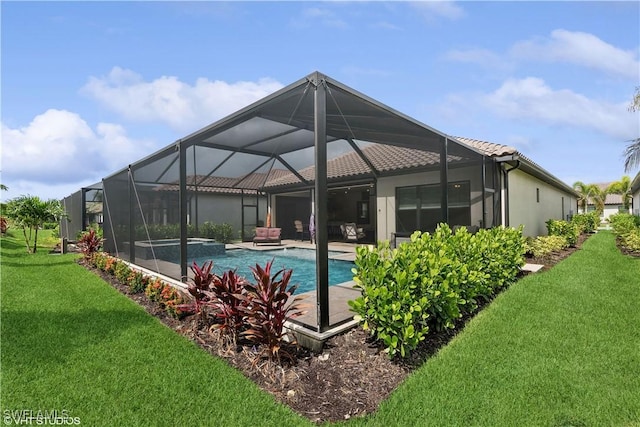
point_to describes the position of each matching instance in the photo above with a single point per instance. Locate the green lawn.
(71, 342)
(560, 348)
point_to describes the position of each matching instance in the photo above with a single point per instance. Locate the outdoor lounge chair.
(300, 229)
(267, 235)
(351, 232)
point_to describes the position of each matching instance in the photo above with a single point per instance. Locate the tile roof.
(384, 158)
(611, 199)
(488, 148)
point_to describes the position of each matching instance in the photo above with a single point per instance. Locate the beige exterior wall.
(525, 209)
(386, 195)
(636, 203)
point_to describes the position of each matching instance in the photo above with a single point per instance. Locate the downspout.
(506, 188)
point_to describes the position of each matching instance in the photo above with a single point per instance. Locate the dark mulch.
(350, 378)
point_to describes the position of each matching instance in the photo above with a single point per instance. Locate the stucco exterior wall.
(525, 208)
(386, 195)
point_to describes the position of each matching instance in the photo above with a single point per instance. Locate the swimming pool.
(301, 261)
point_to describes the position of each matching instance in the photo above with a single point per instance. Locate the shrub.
(99, 260)
(544, 245)
(570, 231)
(137, 281)
(587, 222)
(631, 240)
(110, 264)
(90, 242)
(267, 306)
(503, 254)
(122, 271)
(627, 227)
(623, 223)
(389, 306)
(171, 299)
(227, 293)
(223, 233)
(199, 288)
(154, 290)
(429, 281)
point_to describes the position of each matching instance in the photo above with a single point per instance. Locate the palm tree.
(30, 213)
(583, 190)
(590, 194)
(632, 152)
(622, 187)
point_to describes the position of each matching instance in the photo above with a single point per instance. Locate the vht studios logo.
(39, 418)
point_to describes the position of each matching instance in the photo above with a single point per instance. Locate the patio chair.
(299, 229)
(351, 232)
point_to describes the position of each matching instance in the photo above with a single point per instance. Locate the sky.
(88, 88)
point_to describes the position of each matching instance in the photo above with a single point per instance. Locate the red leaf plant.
(268, 305)
(226, 300)
(90, 243)
(199, 288)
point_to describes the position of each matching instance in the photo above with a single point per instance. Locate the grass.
(560, 348)
(70, 342)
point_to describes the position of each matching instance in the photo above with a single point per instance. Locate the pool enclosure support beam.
(132, 217)
(321, 198)
(484, 192)
(183, 210)
(444, 179)
(84, 208)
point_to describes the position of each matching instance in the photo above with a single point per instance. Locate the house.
(613, 203)
(318, 146)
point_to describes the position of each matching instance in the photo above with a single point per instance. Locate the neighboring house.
(635, 192)
(613, 203)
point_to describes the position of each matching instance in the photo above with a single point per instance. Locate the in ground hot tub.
(169, 249)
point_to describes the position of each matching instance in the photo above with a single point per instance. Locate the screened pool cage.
(315, 146)
(83, 210)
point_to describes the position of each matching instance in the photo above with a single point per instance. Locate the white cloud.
(582, 49)
(532, 98)
(166, 99)
(58, 146)
(439, 8)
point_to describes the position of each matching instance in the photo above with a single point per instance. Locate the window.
(418, 207)
(537, 195)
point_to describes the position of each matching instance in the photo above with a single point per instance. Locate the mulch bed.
(350, 378)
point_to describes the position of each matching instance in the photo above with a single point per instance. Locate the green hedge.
(431, 281)
(544, 245)
(568, 230)
(222, 233)
(587, 222)
(627, 227)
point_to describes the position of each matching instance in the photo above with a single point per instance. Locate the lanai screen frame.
(311, 112)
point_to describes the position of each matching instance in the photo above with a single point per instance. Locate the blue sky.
(89, 87)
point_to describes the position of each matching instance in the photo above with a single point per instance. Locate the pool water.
(301, 261)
